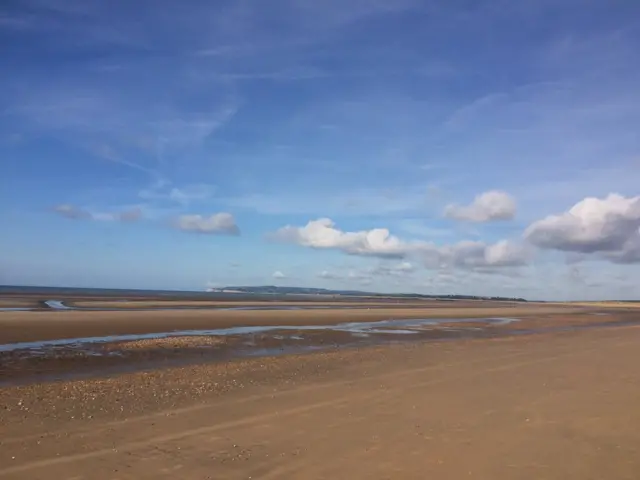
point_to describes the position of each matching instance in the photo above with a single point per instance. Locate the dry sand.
(558, 407)
(625, 305)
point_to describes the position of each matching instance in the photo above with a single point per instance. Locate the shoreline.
(89, 303)
(49, 325)
(54, 346)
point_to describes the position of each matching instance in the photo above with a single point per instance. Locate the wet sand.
(59, 345)
(155, 303)
(9, 302)
(43, 325)
(555, 406)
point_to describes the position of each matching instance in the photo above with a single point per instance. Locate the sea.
(123, 294)
(105, 292)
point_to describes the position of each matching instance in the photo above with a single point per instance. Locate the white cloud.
(362, 277)
(401, 269)
(404, 267)
(125, 216)
(608, 227)
(69, 211)
(77, 213)
(278, 275)
(489, 206)
(506, 253)
(367, 275)
(480, 255)
(327, 275)
(218, 224)
(322, 234)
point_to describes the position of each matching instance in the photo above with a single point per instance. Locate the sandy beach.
(320, 240)
(51, 344)
(497, 391)
(560, 406)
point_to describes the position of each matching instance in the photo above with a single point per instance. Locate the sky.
(428, 146)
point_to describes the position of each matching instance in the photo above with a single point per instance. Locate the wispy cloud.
(184, 196)
(327, 275)
(217, 224)
(337, 202)
(76, 213)
(121, 115)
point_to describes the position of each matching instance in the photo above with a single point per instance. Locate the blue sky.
(485, 147)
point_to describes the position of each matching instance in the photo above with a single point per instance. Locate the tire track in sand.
(213, 429)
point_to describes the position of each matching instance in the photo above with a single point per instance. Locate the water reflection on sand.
(384, 327)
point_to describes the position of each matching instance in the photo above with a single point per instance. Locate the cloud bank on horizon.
(405, 146)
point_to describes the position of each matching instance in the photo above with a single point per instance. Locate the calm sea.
(106, 292)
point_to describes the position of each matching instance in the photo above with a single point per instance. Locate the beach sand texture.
(551, 405)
